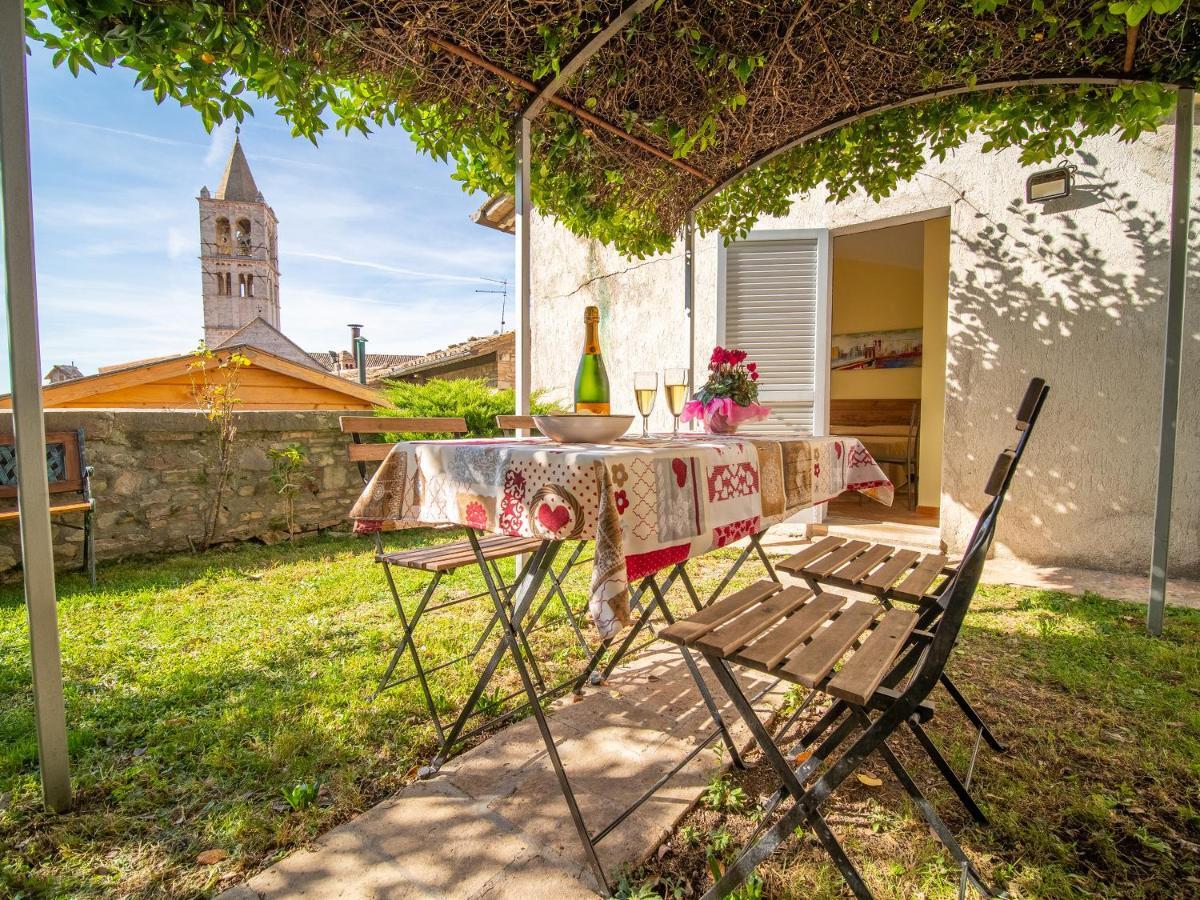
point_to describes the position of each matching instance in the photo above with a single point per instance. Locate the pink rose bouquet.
(730, 396)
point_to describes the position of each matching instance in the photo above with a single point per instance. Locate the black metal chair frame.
(929, 603)
(923, 663)
(490, 567)
(512, 615)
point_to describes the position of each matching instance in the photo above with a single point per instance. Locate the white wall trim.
(892, 221)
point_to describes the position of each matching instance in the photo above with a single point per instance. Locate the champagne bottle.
(591, 382)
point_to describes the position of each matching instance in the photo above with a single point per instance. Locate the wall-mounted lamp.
(1052, 184)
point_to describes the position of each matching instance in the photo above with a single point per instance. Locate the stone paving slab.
(494, 824)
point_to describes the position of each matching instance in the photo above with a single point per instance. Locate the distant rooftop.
(499, 212)
(468, 349)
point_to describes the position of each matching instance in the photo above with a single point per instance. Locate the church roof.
(237, 183)
(258, 332)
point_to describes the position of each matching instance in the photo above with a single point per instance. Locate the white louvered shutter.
(776, 309)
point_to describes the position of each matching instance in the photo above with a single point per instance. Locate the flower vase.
(716, 422)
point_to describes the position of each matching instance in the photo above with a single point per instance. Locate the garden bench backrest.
(66, 467)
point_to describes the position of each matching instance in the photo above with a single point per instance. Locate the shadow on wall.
(1075, 292)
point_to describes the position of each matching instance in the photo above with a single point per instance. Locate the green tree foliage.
(471, 399)
(210, 55)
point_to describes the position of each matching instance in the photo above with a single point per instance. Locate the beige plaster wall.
(1072, 290)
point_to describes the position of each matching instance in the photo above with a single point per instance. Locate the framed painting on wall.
(899, 349)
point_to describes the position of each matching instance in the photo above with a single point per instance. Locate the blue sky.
(370, 231)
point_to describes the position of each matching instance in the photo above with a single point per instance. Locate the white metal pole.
(33, 496)
(1172, 356)
(523, 210)
(689, 293)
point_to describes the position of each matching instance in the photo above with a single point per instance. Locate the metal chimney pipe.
(360, 357)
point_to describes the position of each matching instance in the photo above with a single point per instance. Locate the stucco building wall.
(1072, 290)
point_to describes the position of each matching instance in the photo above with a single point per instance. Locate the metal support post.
(1172, 357)
(689, 294)
(29, 428)
(523, 211)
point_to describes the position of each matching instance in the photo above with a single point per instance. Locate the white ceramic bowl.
(583, 429)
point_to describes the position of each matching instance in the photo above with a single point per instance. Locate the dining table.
(648, 504)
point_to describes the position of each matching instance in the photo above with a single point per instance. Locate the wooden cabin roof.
(269, 382)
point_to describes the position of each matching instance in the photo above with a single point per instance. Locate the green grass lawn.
(201, 688)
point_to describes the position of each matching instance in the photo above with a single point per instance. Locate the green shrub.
(472, 399)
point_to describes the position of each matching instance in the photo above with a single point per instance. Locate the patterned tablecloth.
(648, 504)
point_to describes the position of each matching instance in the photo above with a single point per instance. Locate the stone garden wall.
(155, 471)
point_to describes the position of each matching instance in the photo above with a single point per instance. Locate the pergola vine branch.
(684, 87)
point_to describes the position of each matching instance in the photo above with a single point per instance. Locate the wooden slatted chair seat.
(448, 557)
(794, 634)
(878, 569)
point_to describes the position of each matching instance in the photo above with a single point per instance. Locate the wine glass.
(675, 386)
(645, 388)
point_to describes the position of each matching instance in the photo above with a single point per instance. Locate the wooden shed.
(269, 382)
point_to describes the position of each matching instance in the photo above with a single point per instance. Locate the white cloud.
(384, 267)
(120, 132)
(220, 143)
(178, 243)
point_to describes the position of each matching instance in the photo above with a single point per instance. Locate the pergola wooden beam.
(512, 78)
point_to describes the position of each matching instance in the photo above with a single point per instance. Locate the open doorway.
(887, 368)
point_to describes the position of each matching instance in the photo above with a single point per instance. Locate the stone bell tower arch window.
(223, 235)
(243, 237)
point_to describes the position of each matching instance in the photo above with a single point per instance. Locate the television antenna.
(503, 292)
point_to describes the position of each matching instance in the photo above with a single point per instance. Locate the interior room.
(888, 362)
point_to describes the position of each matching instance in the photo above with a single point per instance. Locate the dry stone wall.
(155, 472)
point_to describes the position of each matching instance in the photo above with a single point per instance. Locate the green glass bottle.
(591, 382)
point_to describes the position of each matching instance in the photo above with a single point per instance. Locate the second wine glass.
(675, 387)
(645, 388)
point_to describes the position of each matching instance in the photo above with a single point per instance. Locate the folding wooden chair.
(439, 561)
(894, 575)
(800, 636)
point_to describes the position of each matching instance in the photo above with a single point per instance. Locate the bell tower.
(239, 258)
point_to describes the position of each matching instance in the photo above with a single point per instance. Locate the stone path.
(494, 824)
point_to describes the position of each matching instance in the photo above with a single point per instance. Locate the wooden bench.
(68, 473)
(889, 429)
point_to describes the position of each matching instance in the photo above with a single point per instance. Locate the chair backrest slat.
(402, 424)
(1034, 396)
(362, 452)
(512, 423)
(870, 413)
(374, 452)
(1000, 473)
